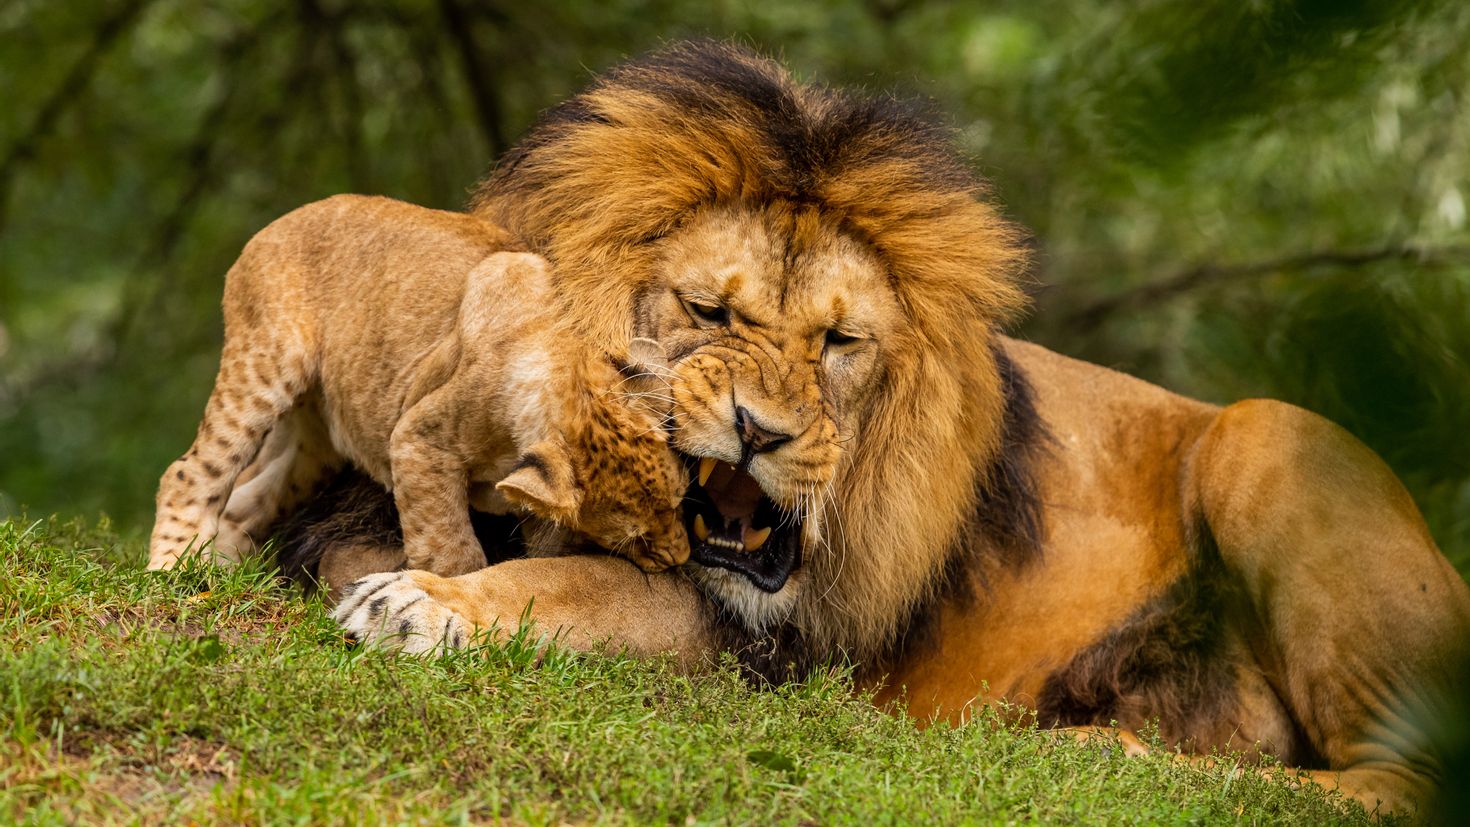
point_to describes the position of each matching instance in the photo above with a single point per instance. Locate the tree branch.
(477, 72)
(888, 11)
(1205, 276)
(67, 92)
(314, 17)
(198, 156)
(425, 46)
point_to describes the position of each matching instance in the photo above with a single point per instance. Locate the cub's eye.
(704, 311)
(836, 338)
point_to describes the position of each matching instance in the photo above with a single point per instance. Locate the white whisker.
(831, 508)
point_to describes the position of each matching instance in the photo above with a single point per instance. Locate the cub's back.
(367, 287)
(349, 259)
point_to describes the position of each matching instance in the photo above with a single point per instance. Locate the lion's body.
(1252, 577)
(975, 518)
(413, 344)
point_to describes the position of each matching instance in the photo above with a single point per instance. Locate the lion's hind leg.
(1356, 620)
(255, 387)
(1125, 740)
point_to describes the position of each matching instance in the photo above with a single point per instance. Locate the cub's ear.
(646, 376)
(543, 482)
(647, 355)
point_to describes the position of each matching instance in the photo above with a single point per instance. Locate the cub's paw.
(391, 610)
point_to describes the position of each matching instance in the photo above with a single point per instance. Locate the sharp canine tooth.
(756, 537)
(700, 529)
(706, 467)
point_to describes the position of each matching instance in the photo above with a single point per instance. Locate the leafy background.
(1231, 199)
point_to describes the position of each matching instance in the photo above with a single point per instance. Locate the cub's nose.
(755, 437)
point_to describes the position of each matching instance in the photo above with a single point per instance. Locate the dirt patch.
(95, 777)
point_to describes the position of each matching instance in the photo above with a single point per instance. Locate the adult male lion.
(966, 516)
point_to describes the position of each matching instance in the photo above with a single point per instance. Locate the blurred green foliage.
(1232, 199)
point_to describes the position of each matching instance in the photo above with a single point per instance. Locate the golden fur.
(406, 341)
(1000, 521)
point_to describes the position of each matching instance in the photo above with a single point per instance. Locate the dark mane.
(806, 134)
(354, 510)
(704, 122)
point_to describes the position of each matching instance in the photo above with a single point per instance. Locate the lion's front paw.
(390, 609)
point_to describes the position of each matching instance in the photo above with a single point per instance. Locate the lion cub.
(406, 341)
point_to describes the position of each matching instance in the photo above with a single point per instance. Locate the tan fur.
(1342, 620)
(405, 341)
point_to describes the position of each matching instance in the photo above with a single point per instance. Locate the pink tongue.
(737, 497)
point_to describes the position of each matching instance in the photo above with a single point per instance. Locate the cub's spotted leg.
(298, 455)
(253, 390)
(268, 470)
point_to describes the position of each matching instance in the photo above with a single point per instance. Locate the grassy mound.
(222, 696)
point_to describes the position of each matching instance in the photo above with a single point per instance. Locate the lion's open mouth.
(733, 525)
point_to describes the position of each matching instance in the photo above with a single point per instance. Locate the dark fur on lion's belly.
(353, 509)
(1167, 656)
(1171, 661)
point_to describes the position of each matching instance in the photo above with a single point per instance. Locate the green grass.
(217, 696)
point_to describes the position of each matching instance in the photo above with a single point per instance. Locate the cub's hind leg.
(254, 389)
(264, 473)
(297, 457)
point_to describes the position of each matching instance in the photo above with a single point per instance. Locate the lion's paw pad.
(389, 609)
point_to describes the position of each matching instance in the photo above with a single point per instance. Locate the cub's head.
(611, 479)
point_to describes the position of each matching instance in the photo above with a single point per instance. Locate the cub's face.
(612, 480)
(774, 324)
(633, 488)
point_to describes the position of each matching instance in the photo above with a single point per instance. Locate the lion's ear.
(543, 482)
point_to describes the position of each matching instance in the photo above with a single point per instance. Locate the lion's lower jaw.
(756, 610)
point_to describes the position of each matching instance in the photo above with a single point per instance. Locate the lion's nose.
(757, 438)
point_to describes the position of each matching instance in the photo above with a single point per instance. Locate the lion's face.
(774, 323)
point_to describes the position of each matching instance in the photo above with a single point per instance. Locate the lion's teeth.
(706, 467)
(700, 529)
(756, 537)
